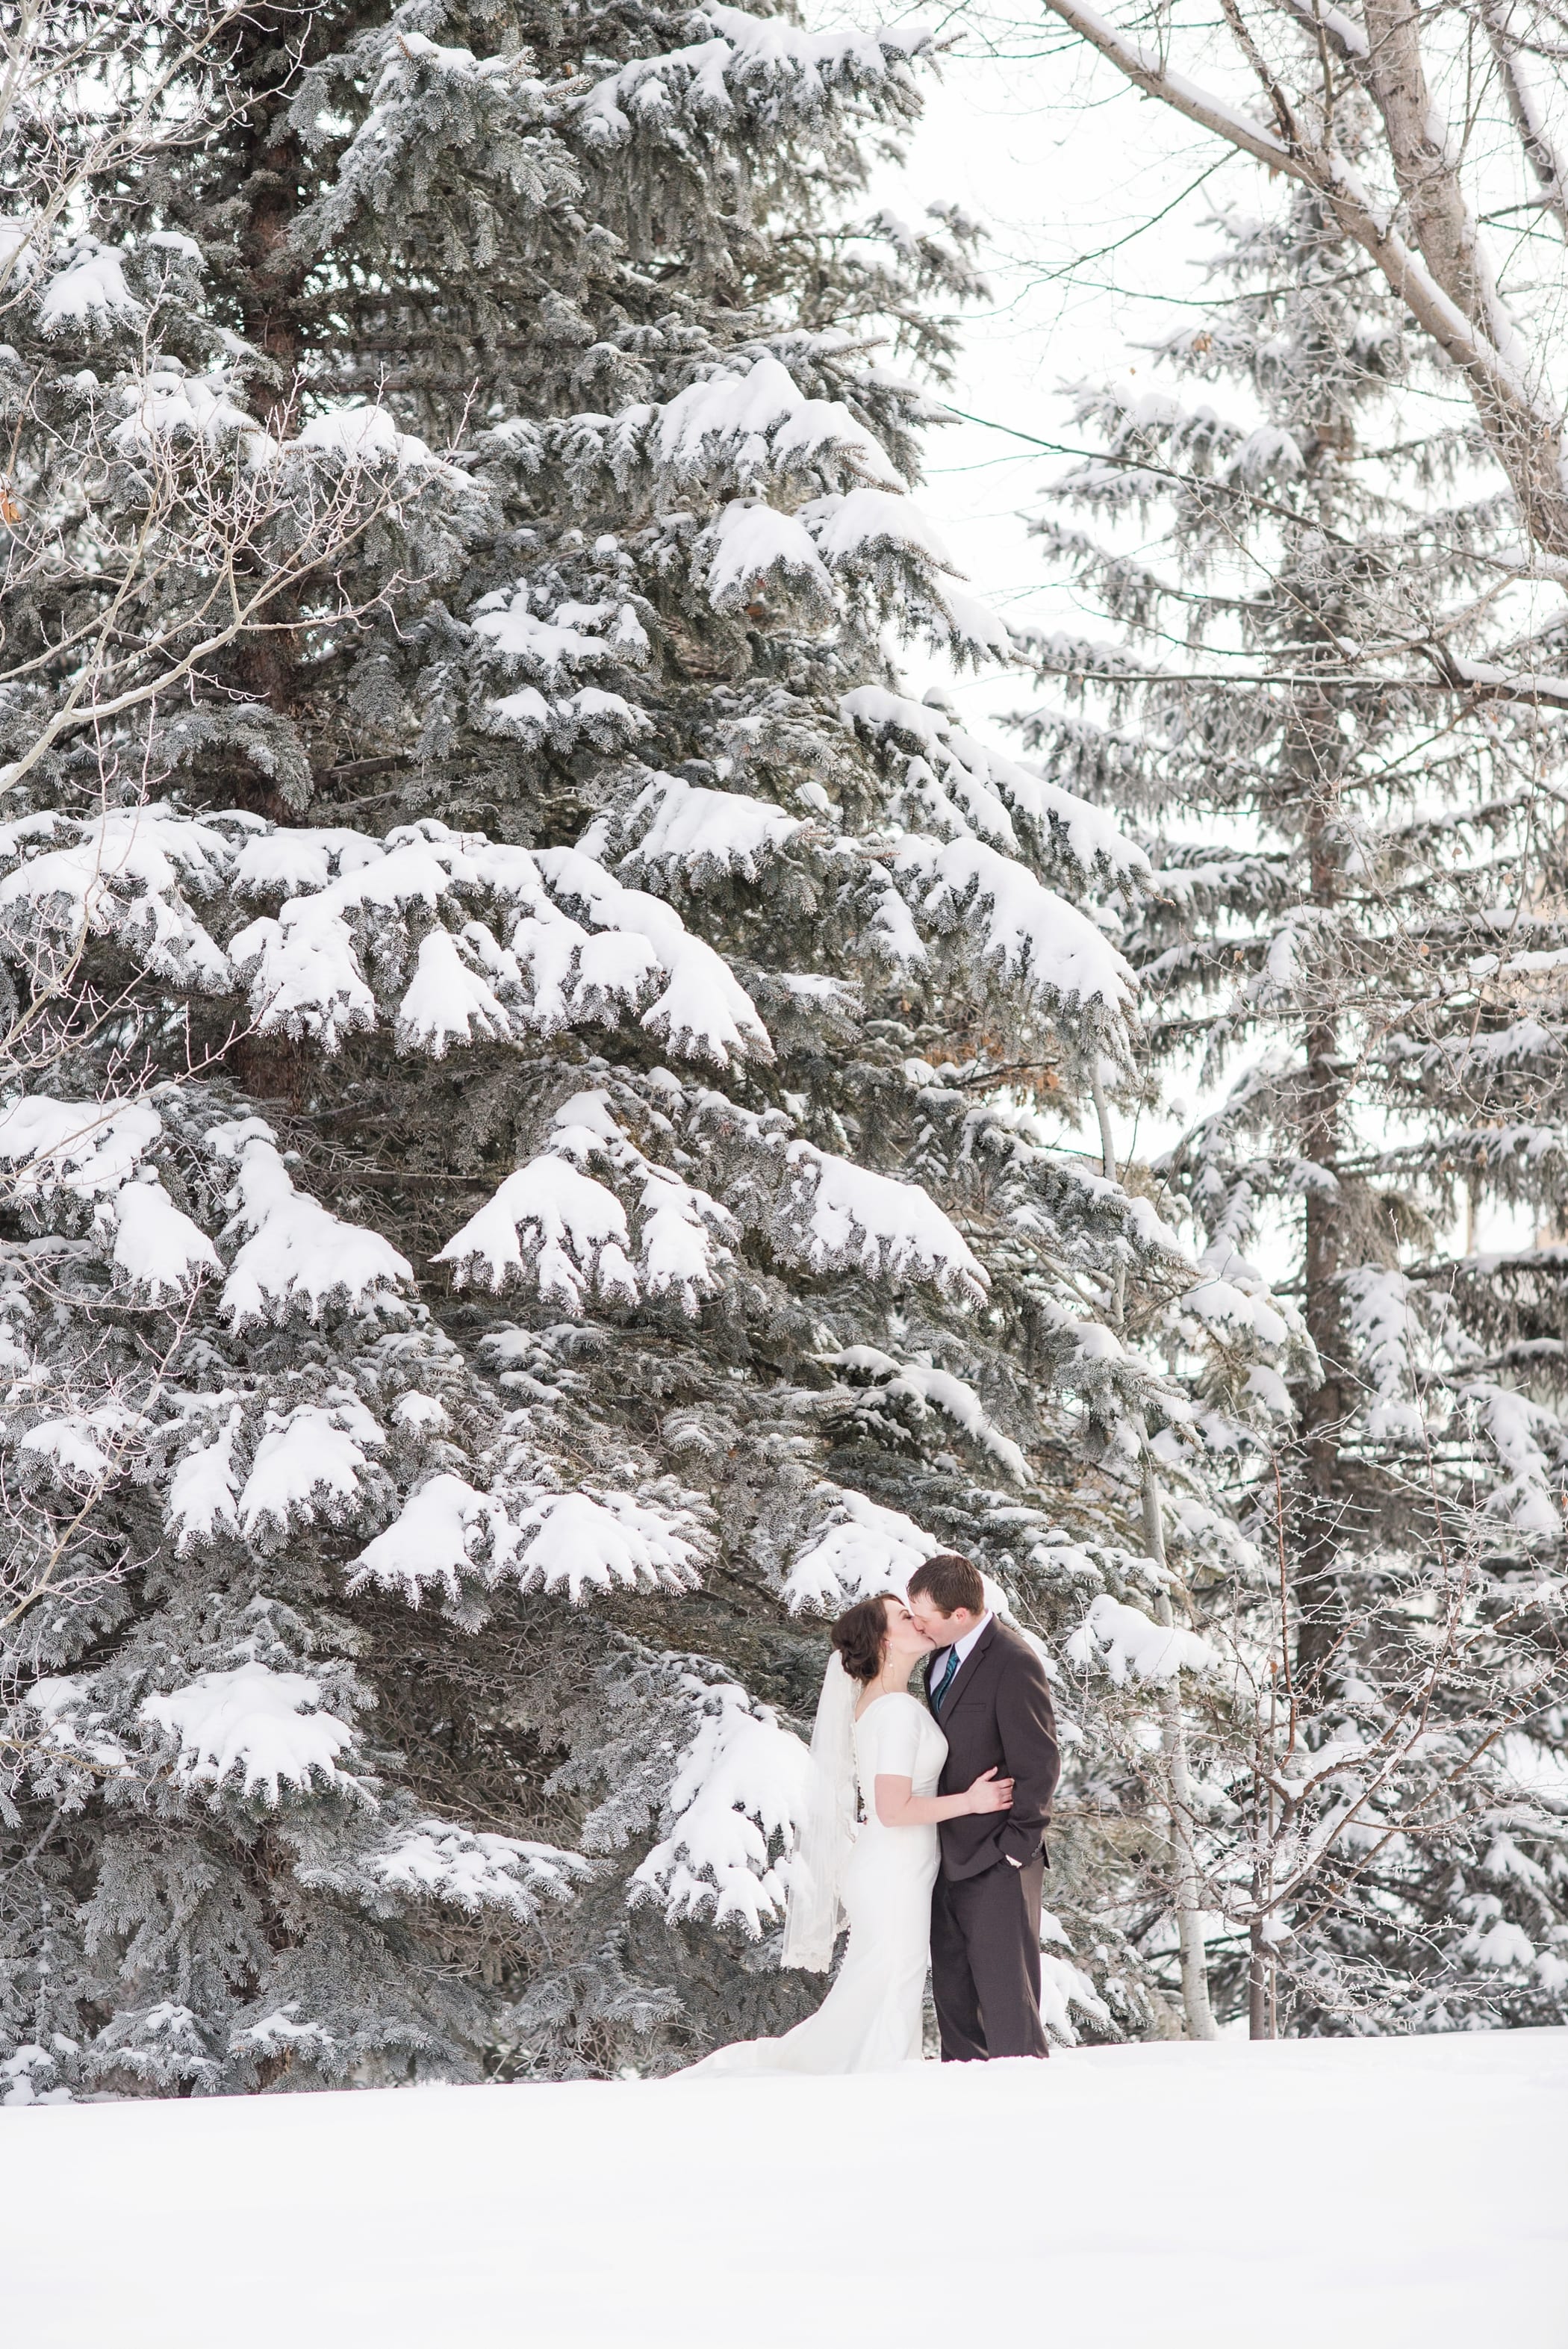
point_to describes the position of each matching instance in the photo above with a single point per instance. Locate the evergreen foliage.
(541, 1108)
(1351, 944)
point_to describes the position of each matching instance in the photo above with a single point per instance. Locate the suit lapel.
(963, 1677)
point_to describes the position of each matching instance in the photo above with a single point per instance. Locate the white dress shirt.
(939, 1661)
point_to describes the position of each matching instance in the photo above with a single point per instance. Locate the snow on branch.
(750, 552)
(834, 1216)
(1530, 1446)
(308, 1465)
(919, 1388)
(1127, 1644)
(702, 1009)
(297, 1255)
(739, 1786)
(123, 877)
(86, 1149)
(203, 1493)
(747, 431)
(435, 1860)
(158, 1251)
(685, 829)
(764, 69)
(88, 293)
(859, 1548)
(552, 650)
(574, 1543)
(578, 1542)
(445, 1530)
(1029, 937)
(555, 1227)
(264, 1728)
(957, 785)
(566, 1232)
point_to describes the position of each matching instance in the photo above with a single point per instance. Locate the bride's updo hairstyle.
(859, 1635)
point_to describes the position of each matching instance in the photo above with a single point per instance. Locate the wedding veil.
(814, 1911)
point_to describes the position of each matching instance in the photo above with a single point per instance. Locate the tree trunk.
(1314, 1577)
(1173, 1737)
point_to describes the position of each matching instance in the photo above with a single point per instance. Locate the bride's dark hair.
(859, 1635)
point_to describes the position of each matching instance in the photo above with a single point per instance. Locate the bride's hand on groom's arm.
(989, 1793)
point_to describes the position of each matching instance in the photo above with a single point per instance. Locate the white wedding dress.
(870, 2017)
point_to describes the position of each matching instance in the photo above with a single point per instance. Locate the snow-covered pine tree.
(1355, 929)
(527, 1186)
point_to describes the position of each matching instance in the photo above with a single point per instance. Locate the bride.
(870, 1733)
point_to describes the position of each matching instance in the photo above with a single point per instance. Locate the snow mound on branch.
(158, 1249)
(1033, 939)
(570, 1542)
(858, 1547)
(1528, 1442)
(307, 1466)
(578, 1542)
(297, 1257)
(70, 1721)
(741, 1783)
(977, 632)
(90, 292)
(121, 876)
(584, 948)
(751, 551)
(80, 1445)
(436, 1860)
(689, 829)
(868, 523)
(252, 1722)
(752, 428)
(448, 1002)
(574, 637)
(555, 1224)
(303, 967)
(1129, 1646)
(168, 406)
(368, 436)
(703, 1009)
(963, 785)
(204, 1492)
(439, 1535)
(839, 1215)
(85, 1148)
(1382, 1312)
(279, 2033)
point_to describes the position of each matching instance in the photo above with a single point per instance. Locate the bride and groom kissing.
(924, 1829)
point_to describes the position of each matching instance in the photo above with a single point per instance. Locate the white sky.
(1066, 168)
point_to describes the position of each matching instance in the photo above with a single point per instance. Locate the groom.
(987, 1690)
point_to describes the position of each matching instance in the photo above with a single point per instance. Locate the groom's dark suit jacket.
(997, 1715)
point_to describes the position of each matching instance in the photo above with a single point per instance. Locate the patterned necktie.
(939, 1693)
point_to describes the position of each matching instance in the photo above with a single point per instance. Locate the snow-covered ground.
(1402, 2194)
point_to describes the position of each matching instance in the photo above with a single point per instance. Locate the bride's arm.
(899, 1806)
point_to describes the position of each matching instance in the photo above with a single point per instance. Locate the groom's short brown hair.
(949, 1582)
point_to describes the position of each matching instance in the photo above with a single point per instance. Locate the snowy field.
(1396, 2195)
